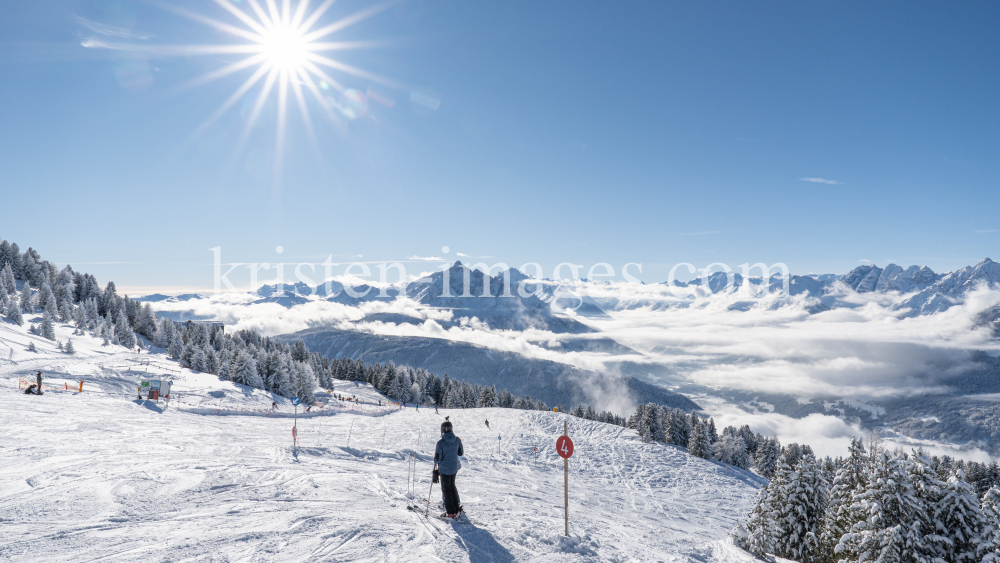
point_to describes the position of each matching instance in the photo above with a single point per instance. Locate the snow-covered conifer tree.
(731, 450)
(245, 371)
(960, 519)
(929, 492)
(757, 536)
(989, 542)
(25, 304)
(146, 322)
(678, 432)
(305, 383)
(69, 349)
(176, 348)
(31, 346)
(713, 434)
(80, 317)
(890, 507)
(123, 331)
(13, 312)
(801, 513)
(48, 327)
(7, 279)
(198, 360)
(766, 459)
(849, 479)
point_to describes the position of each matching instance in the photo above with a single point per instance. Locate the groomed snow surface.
(99, 476)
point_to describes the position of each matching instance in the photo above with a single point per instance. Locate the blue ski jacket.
(449, 447)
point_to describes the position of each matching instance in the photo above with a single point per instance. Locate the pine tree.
(25, 304)
(960, 520)
(989, 544)
(766, 459)
(644, 421)
(47, 300)
(678, 434)
(13, 312)
(80, 317)
(839, 518)
(198, 360)
(48, 327)
(694, 442)
(146, 323)
(176, 348)
(245, 372)
(890, 506)
(699, 444)
(283, 377)
(801, 513)
(69, 347)
(713, 435)
(757, 535)
(929, 491)
(7, 280)
(31, 347)
(123, 331)
(731, 450)
(305, 383)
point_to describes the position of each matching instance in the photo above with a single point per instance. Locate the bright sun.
(283, 50)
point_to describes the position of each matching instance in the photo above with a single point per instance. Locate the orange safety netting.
(23, 383)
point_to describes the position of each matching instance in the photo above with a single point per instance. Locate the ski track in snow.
(98, 476)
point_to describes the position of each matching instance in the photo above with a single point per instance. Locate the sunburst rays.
(288, 55)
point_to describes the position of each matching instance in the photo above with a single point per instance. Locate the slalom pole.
(427, 509)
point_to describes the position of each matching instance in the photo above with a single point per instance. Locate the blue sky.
(549, 132)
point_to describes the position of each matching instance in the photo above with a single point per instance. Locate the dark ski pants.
(450, 493)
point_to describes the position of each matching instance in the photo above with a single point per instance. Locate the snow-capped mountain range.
(920, 291)
(859, 346)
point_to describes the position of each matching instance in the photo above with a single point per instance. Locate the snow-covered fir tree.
(766, 459)
(245, 371)
(25, 303)
(799, 511)
(13, 311)
(7, 279)
(48, 328)
(891, 508)
(848, 480)
(731, 449)
(69, 347)
(960, 520)
(988, 550)
(123, 331)
(757, 535)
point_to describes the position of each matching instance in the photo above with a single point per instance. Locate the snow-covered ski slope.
(98, 476)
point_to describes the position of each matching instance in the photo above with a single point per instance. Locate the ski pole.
(427, 508)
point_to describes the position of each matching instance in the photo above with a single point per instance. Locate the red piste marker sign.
(564, 446)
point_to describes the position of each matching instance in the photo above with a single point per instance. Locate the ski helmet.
(446, 426)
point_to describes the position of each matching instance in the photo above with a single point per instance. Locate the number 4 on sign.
(564, 445)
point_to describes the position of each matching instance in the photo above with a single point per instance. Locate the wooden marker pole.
(566, 481)
(564, 447)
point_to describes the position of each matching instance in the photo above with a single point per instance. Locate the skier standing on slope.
(38, 390)
(446, 454)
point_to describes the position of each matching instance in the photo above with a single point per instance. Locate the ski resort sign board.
(153, 389)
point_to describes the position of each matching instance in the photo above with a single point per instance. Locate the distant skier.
(274, 406)
(39, 390)
(446, 454)
(31, 389)
(487, 423)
